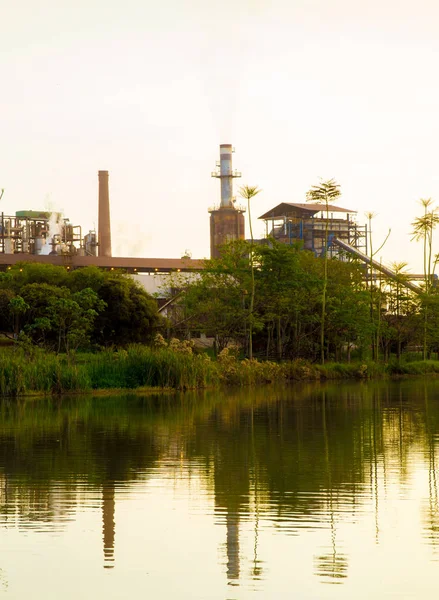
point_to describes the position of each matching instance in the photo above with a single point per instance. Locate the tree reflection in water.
(295, 457)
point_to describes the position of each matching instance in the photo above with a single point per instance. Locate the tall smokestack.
(226, 221)
(104, 229)
(226, 174)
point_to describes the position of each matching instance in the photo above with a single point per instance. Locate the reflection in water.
(270, 462)
(108, 505)
(331, 565)
(232, 523)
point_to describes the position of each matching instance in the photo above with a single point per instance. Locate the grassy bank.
(170, 368)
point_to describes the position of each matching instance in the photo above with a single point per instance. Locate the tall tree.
(423, 227)
(324, 193)
(403, 317)
(215, 301)
(248, 193)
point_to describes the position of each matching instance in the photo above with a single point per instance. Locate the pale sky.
(148, 90)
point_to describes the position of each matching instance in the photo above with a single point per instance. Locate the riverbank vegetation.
(366, 315)
(90, 329)
(174, 366)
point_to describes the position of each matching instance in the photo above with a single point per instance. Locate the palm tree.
(423, 230)
(248, 192)
(324, 193)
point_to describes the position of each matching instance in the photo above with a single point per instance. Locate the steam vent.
(227, 220)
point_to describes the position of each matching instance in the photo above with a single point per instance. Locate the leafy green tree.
(287, 306)
(402, 309)
(347, 319)
(72, 318)
(6, 317)
(115, 310)
(24, 273)
(57, 318)
(279, 278)
(88, 277)
(38, 296)
(288, 300)
(18, 308)
(324, 193)
(36, 321)
(130, 316)
(216, 301)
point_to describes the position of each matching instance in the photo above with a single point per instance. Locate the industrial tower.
(227, 220)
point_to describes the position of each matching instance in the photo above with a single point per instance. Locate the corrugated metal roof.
(285, 208)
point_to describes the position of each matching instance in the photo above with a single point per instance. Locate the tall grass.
(43, 372)
(135, 367)
(140, 366)
(171, 367)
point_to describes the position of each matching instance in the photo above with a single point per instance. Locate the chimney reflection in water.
(108, 524)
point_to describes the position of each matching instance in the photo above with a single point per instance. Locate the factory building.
(306, 223)
(50, 237)
(41, 233)
(34, 232)
(227, 219)
(287, 222)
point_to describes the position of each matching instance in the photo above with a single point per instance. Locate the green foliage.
(423, 228)
(217, 301)
(287, 311)
(44, 372)
(6, 316)
(64, 310)
(130, 315)
(25, 273)
(172, 366)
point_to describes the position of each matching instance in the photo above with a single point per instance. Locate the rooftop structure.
(127, 264)
(306, 223)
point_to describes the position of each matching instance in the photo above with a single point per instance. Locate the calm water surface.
(302, 492)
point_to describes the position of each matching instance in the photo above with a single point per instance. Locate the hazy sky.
(148, 90)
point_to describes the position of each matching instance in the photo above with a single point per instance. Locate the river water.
(310, 491)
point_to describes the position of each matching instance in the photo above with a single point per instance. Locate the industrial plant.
(334, 232)
(44, 233)
(288, 223)
(50, 233)
(51, 238)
